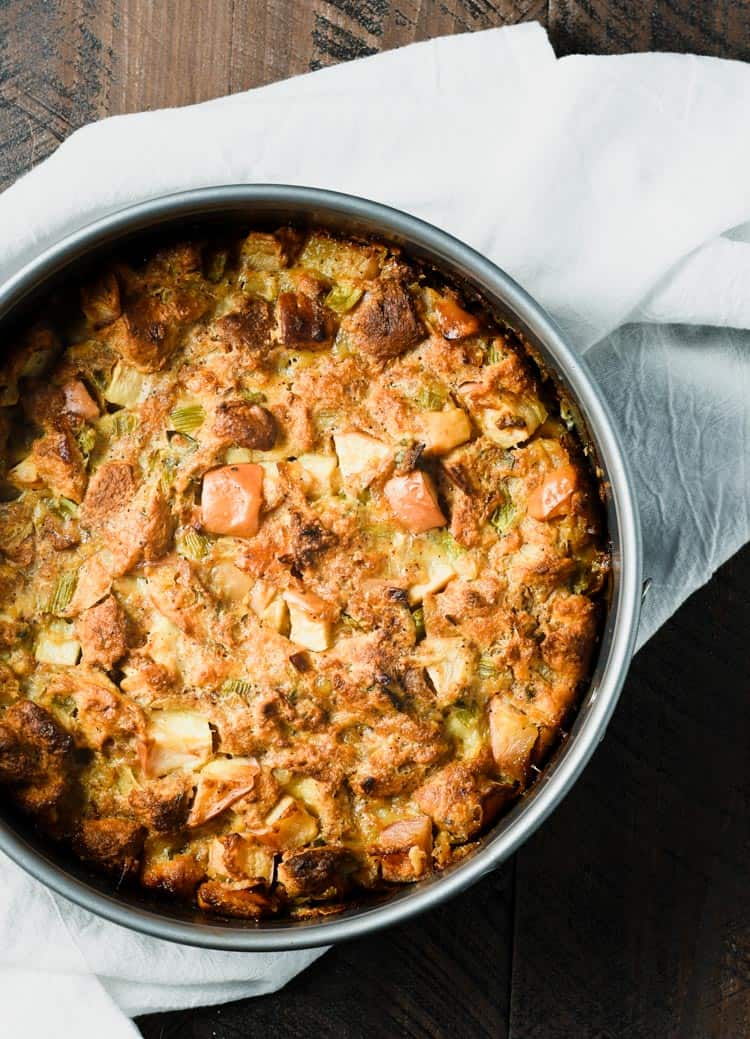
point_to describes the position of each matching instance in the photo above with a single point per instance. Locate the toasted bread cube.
(361, 457)
(461, 801)
(405, 849)
(221, 783)
(248, 902)
(512, 737)
(413, 501)
(315, 873)
(341, 259)
(288, 826)
(444, 430)
(176, 739)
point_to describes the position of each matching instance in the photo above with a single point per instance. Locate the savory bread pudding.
(300, 567)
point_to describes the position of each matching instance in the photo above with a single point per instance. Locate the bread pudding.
(302, 561)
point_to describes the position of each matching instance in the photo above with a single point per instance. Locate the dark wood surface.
(628, 915)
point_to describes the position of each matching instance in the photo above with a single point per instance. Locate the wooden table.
(628, 915)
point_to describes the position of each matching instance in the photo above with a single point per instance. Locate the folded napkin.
(614, 189)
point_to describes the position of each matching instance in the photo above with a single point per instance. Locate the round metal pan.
(188, 214)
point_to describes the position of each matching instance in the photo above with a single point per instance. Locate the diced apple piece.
(237, 455)
(452, 321)
(232, 498)
(449, 663)
(405, 849)
(78, 400)
(231, 583)
(320, 471)
(360, 458)
(240, 858)
(444, 430)
(276, 616)
(311, 632)
(440, 572)
(57, 645)
(310, 603)
(413, 501)
(512, 737)
(176, 739)
(288, 825)
(221, 783)
(261, 596)
(126, 386)
(552, 497)
(25, 474)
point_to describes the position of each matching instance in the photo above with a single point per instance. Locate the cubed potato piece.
(240, 857)
(288, 826)
(321, 471)
(176, 739)
(311, 632)
(360, 457)
(405, 849)
(231, 500)
(440, 572)
(444, 430)
(450, 664)
(57, 645)
(221, 783)
(413, 501)
(513, 738)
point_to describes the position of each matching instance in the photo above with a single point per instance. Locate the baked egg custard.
(301, 575)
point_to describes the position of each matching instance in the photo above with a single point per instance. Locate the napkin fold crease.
(615, 189)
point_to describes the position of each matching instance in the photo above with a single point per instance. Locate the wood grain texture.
(632, 914)
(717, 27)
(445, 976)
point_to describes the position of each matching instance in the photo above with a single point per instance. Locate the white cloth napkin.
(613, 188)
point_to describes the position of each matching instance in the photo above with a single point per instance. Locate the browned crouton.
(110, 489)
(249, 902)
(100, 300)
(303, 323)
(178, 876)
(385, 323)
(244, 424)
(35, 753)
(102, 632)
(405, 849)
(162, 804)
(461, 801)
(323, 872)
(59, 463)
(247, 331)
(114, 845)
(143, 530)
(151, 326)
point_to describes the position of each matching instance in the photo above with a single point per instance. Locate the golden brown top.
(298, 576)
